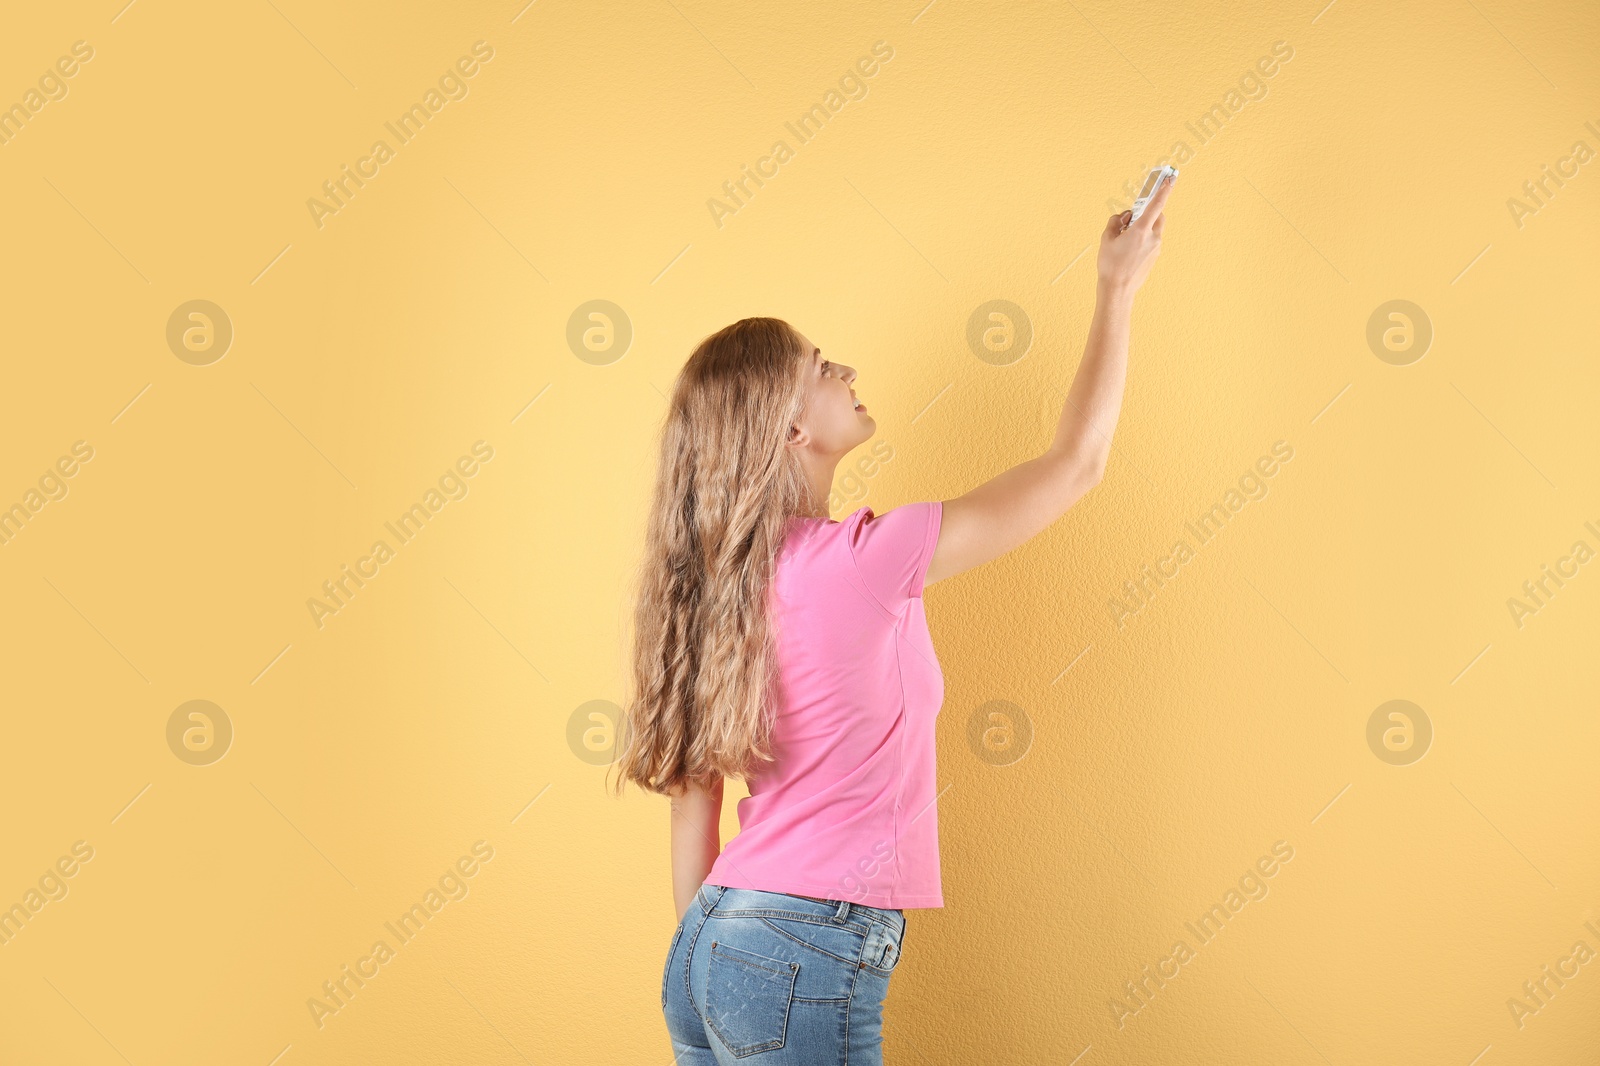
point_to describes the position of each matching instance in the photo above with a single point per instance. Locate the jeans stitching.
(855, 926)
(880, 971)
(872, 914)
(802, 916)
(721, 949)
(688, 955)
(855, 974)
(804, 943)
(666, 978)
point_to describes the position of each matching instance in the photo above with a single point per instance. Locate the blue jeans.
(779, 980)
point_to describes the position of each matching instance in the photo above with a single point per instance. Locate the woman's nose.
(849, 373)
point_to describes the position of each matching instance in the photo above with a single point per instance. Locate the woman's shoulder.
(902, 522)
(890, 548)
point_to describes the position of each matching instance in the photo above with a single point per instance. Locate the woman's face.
(831, 420)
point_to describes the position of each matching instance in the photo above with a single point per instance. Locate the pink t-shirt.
(848, 809)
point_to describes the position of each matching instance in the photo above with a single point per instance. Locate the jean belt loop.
(843, 912)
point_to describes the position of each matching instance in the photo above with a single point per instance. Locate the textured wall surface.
(252, 319)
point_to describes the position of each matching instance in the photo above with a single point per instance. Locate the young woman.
(776, 645)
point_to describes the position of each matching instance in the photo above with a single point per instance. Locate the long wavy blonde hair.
(704, 662)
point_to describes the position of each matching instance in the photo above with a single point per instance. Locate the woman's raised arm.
(1017, 504)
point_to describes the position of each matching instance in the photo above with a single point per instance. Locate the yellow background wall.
(373, 346)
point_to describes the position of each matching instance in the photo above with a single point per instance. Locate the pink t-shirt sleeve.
(892, 550)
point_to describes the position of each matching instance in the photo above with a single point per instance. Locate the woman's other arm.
(1017, 504)
(696, 840)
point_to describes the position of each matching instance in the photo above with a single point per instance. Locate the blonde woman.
(776, 645)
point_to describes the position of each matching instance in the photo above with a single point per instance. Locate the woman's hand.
(1128, 251)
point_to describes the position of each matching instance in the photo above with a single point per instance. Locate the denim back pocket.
(748, 998)
(666, 967)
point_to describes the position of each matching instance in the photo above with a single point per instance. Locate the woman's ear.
(797, 435)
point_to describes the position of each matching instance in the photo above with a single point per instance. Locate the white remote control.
(1152, 182)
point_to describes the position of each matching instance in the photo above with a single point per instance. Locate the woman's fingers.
(1159, 224)
(1114, 224)
(1158, 201)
